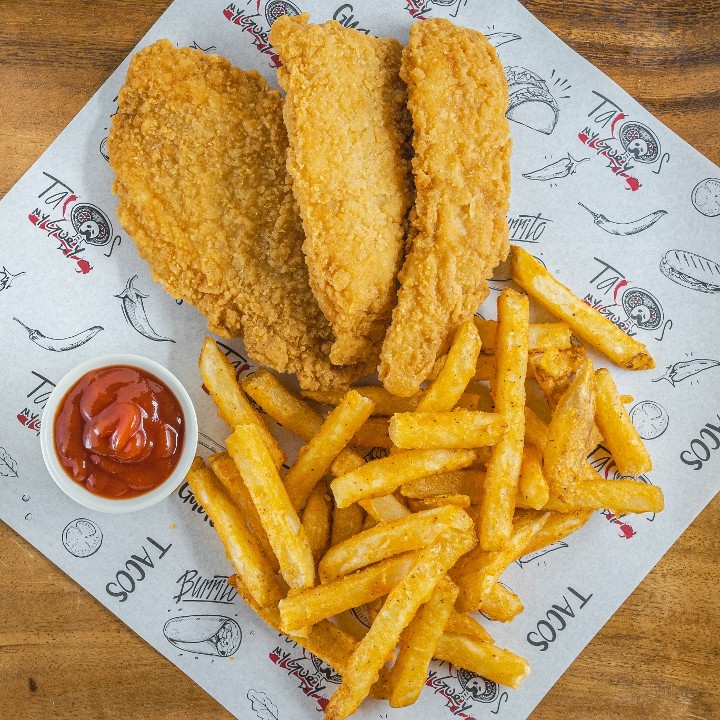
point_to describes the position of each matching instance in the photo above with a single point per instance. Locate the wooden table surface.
(62, 655)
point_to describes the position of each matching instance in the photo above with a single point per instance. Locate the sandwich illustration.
(204, 634)
(531, 102)
(691, 271)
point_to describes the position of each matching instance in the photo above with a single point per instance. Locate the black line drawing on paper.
(531, 102)
(82, 537)
(496, 39)
(276, 8)
(209, 444)
(104, 150)
(650, 419)
(134, 310)
(206, 50)
(562, 84)
(8, 464)
(686, 368)
(559, 169)
(94, 226)
(705, 197)
(262, 705)
(450, 3)
(640, 141)
(642, 308)
(6, 278)
(459, 686)
(60, 344)
(215, 635)
(25, 498)
(531, 557)
(691, 271)
(624, 228)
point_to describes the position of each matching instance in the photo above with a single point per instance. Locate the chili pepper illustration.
(559, 169)
(134, 311)
(628, 228)
(526, 559)
(683, 370)
(6, 278)
(60, 344)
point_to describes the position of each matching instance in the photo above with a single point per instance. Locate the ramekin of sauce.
(119, 433)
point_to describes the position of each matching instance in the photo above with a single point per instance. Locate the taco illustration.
(204, 634)
(531, 102)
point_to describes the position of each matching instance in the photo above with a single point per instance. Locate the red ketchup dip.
(119, 431)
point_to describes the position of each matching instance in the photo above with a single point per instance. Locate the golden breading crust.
(198, 149)
(348, 126)
(458, 97)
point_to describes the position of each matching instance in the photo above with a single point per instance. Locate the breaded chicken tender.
(458, 98)
(198, 148)
(348, 128)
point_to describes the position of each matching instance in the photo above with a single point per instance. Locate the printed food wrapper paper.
(617, 206)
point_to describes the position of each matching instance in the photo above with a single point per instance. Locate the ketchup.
(119, 431)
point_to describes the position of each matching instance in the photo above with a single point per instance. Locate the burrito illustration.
(691, 271)
(531, 102)
(204, 634)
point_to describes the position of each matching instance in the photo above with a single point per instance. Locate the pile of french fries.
(472, 480)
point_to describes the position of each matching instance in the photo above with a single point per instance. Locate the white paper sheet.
(643, 249)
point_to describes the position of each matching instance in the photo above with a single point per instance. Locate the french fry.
(533, 491)
(418, 643)
(501, 604)
(484, 368)
(454, 430)
(552, 370)
(483, 658)
(385, 403)
(457, 482)
(316, 519)
(586, 322)
(303, 608)
(557, 527)
(390, 538)
(481, 569)
(464, 624)
(535, 430)
(241, 547)
(381, 477)
(400, 607)
(468, 401)
(385, 507)
(457, 371)
(621, 437)
(495, 517)
(233, 406)
(541, 336)
(457, 500)
(346, 522)
(373, 433)
(282, 525)
(226, 471)
(334, 434)
(620, 496)
(569, 432)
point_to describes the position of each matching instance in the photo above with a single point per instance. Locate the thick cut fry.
(241, 547)
(458, 500)
(463, 624)
(620, 496)
(316, 457)
(233, 406)
(226, 471)
(621, 437)
(400, 607)
(484, 368)
(390, 538)
(553, 369)
(346, 522)
(457, 371)
(385, 403)
(541, 336)
(383, 508)
(373, 433)
(483, 658)
(535, 430)
(418, 643)
(316, 519)
(500, 488)
(437, 430)
(501, 604)
(381, 477)
(284, 530)
(586, 322)
(557, 527)
(533, 491)
(481, 569)
(302, 608)
(569, 433)
(457, 482)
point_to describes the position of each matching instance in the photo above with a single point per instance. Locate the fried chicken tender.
(348, 127)
(198, 148)
(458, 97)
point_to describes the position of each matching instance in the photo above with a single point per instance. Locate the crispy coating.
(458, 97)
(348, 126)
(198, 149)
